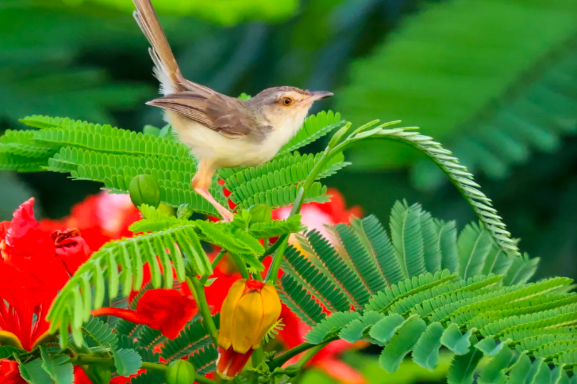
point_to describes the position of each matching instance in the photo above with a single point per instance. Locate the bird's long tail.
(165, 66)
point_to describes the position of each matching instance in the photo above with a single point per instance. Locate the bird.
(220, 131)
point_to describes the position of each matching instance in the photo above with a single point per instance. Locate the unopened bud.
(144, 189)
(180, 372)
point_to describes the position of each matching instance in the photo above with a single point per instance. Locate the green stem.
(309, 355)
(215, 262)
(279, 361)
(303, 192)
(256, 360)
(83, 359)
(198, 289)
(241, 265)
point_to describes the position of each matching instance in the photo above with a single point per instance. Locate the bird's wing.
(225, 115)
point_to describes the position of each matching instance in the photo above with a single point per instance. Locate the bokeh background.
(493, 80)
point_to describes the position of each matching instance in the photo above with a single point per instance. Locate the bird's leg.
(201, 182)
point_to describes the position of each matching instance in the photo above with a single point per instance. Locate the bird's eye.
(286, 101)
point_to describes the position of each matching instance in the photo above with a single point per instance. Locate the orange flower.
(248, 312)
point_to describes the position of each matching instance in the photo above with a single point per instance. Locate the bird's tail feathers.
(165, 67)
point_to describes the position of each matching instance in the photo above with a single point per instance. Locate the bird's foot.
(227, 215)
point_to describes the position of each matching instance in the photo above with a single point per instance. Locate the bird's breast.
(205, 143)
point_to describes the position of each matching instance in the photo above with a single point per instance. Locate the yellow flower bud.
(249, 310)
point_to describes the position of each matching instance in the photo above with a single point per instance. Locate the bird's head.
(283, 104)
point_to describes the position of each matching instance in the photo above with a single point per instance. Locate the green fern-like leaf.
(286, 171)
(299, 301)
(408, 239)
(191, 339)
(21, 143)
(204, 360)
(474, 246)
(74, 303)
(459, 176)
(347, 279)
(401, 344)
(315, 280)
(276, 228)
(100, 332)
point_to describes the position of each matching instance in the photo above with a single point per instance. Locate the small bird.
(221, 131)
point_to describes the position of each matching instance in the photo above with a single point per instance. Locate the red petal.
(9, 373)
(167, 310)
(24, 240)
(231, 363)
(73, 252)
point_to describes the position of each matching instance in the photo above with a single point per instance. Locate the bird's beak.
(318, 95)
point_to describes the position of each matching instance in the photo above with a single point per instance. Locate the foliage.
(115, 156)
(221, 12)
(366, 261)
(414, 290)
(486, 85)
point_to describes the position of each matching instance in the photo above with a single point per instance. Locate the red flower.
(100, 218)
(166, 310)
(71, 249)
(30, 277)
(9, 373)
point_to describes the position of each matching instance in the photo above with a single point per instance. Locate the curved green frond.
(460, 177)
(162, 250)
(299, 301)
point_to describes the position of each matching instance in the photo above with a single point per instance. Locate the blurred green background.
(493, 80)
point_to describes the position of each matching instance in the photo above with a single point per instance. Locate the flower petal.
(246, 322)
(272, 309)
(227, 313)
(73, 251)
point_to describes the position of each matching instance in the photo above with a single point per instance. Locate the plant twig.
(198, 289)
(279, 361)
(215, 262)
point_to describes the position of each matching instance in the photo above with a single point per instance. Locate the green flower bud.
(144, 189)
(180, 372)
(260, 213)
